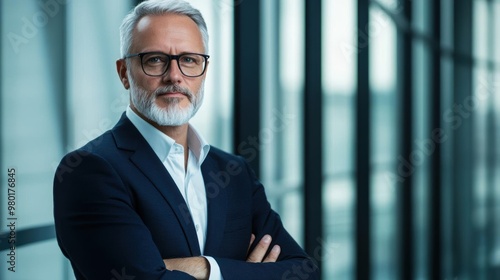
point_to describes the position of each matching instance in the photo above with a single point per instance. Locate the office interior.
(373, 124)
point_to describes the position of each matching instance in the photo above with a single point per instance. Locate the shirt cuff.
(215, 273)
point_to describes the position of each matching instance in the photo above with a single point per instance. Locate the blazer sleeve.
(96, 225)
(293, 263)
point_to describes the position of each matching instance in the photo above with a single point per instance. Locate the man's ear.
(121, 68)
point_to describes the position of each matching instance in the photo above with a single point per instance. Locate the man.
(150, 199)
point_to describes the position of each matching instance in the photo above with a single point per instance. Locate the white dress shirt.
(189, 181)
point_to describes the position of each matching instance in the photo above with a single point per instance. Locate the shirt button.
(197, 227)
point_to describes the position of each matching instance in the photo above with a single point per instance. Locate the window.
(432, 155)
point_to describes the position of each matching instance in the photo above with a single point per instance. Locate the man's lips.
(172, 94)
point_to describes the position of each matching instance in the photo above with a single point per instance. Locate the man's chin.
(169, 123)
(169, 116)
(165, 102)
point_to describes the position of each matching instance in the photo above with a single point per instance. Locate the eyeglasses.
(156, 63)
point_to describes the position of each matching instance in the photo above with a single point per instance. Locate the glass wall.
(281, 130)
(483, 105)
(452, 121)
(385, 128)
(421, 132)
(434, 123)
(339, 92)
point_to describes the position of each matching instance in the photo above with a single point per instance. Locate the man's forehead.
(143, 23)
(162, 20)
(162, 32)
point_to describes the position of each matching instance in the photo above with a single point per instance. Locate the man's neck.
(178, 133)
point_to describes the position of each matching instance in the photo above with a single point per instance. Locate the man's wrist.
(198, 267)
(204, 269)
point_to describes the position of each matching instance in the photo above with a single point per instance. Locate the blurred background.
(374, 125)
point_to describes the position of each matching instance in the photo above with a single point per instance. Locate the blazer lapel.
(216, 206)
(129, 138)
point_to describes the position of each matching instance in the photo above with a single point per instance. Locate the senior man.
(150, 199)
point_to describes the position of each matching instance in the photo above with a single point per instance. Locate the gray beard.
(173, 114)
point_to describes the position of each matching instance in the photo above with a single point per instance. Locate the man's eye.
(188, 59)
(154, 59)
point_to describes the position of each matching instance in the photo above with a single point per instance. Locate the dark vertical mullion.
(462, 144)
(405, 88)
(313, 117)
(58, 33)
(55, 41)
(246, 90)
(435, 179)
(363, 246)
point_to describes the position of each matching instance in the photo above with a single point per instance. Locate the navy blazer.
(118, 214)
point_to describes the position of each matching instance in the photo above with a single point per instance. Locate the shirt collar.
(162, 144)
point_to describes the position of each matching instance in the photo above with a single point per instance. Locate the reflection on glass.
(339, 87)
(282, 83)
(384, 129)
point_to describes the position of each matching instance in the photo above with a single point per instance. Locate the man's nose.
(173, 74)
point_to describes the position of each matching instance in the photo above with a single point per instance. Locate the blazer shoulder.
(100, 146)
(218, 158)
(223, 156)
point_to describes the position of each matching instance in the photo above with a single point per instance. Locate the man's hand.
(198, 267)
(259, 252)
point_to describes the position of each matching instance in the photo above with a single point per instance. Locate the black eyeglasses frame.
(170, 58)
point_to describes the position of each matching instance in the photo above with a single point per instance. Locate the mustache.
(174, 88)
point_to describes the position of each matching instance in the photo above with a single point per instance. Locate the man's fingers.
(260, 250)
(252, 239)
(274, 254)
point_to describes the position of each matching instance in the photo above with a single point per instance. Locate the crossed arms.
(199, 267)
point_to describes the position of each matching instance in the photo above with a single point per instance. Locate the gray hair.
(159, 7)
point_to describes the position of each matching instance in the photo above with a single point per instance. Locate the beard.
(173, 114)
